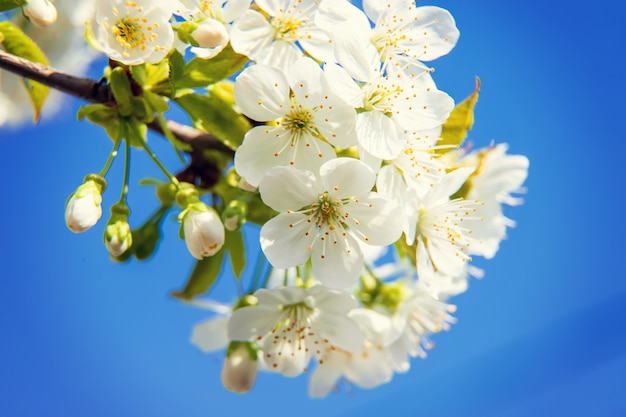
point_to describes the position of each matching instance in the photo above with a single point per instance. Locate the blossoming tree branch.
(316, 121)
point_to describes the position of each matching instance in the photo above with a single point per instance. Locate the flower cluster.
(341, 148)
(347, 149)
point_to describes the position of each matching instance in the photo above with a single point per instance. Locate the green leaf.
(120, 87)
(203, 72)
(177, 66)
(104, 116)
(18, 43)
(214, 115)
(236, 251)
(11, 4)
(148, 75)
(460, 121)
(203, 277)
(142, 109)
(157, 102)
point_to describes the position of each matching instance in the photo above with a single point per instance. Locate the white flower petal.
(280, 295)
(343, 85)
(347, 177)
(326, 375)
(287, 240)
(438, 31)
(448, 185)
(248, 323)
(332, 300)
(342, 330)
(379, 134)
(251, 34)
(337, 265)
(380, 220)
(293, 359)
(211, 335)
(288, 188)
(262, 92)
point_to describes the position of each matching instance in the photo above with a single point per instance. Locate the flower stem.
(109, 161)
(156, 160)
(126, 174)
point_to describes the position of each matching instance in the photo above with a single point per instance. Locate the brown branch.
(94, 92)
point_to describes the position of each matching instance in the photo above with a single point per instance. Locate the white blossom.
(416, 317)
(133, 32)
(388, 106)
(293, 324)
(497, 176)
(277, 40)
(402, 33)
(308, 117)
(323, 219)
(444, 238)
(367, 368)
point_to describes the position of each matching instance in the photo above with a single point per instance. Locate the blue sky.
(541, 334)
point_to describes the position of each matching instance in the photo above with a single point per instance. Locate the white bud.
(41, 13)
(239, 371)
(118, 238)
(211, 36)
(204, 231)
(83, 209)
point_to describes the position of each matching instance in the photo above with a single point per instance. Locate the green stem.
(109, 161)
(126, 174)
(154, 158)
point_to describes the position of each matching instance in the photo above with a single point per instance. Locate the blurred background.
(542, 334)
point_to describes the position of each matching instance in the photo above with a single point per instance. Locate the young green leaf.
(203, 277)
(460, 121)
(214, 115)
(236, 251)
(203, 72)
(148, 75)
(104, 116)
(18, 43)
(10, 4)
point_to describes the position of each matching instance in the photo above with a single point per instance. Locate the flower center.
(380, 96)
(286, 28)
(299, 121)
(207, 7)
(327, 212)
(385, 40)
(128, 33)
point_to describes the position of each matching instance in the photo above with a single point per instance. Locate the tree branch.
(94, 92)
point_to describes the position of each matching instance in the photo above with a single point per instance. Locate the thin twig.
(94, 92)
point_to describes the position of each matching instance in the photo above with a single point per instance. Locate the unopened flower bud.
(41, 13)
(83, 209)
(234, 216)
(240, 367)
(210, 34)
(117, 235)
(203, 230)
